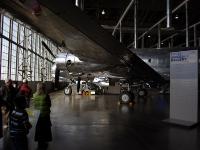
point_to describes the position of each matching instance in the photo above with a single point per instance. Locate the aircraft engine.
(68, 63)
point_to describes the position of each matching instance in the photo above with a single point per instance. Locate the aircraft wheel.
(87, 93)
(142, 92)
(126, 97)
(68, 91)
(83, 92)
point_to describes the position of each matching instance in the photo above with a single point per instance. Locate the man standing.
(24, 89)
(78, 84)
(7, 93)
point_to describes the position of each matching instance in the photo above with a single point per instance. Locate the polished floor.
(100, 123)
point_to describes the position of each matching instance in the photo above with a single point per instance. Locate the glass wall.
(21, 52)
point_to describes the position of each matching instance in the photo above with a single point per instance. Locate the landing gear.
(126, 97)
(142, 92)
(68, 90)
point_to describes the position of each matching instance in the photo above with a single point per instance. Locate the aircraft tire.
(142, 92)
(68, 91)
(87, 93)
(126, 97)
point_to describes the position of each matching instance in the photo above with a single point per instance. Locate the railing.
(158, 26)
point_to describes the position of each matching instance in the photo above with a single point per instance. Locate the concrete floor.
(99, 123)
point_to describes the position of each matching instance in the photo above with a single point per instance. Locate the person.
(24, 89)
(42, 102)
(78, 84)
(1, 124)
(19, 124)
(7, 94)
(15, 84)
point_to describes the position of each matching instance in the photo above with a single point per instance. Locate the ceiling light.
(149, 36)
(103, 12)
(176, 17)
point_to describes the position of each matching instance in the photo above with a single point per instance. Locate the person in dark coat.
(7, 94)
(1, 123)
(25, 90)
(42, 103)
(78, 84)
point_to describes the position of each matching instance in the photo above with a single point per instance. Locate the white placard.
(184, 87)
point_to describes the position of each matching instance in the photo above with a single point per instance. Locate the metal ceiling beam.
(48, 49)
(123, 15)
(175, 34)
(160, 21)
(124, 29)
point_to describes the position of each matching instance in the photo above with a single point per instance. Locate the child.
(19, 124)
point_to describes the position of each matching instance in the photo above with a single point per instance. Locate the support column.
(120, 32)
(195, 36)
(168, 14)
(57, 74)
(135, 24)
(169, 44)
(77, 3)
(143, 42)
(159, 37)
(80, 4)
(199, 41)
(172, 42)
(186, 25)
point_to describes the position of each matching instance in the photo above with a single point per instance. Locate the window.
(13, 61)
(14, 31)
(36, 69)
(6, 26)
(4, 59)
(17, 55)
(28, 39)
(33, 67)
(21, 37)
(20, 64)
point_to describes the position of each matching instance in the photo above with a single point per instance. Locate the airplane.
(72, 67)
(158, 59)
(95, 49)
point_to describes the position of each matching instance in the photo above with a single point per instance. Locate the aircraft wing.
(67, 25)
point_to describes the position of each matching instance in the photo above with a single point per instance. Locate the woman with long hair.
(42, 103)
